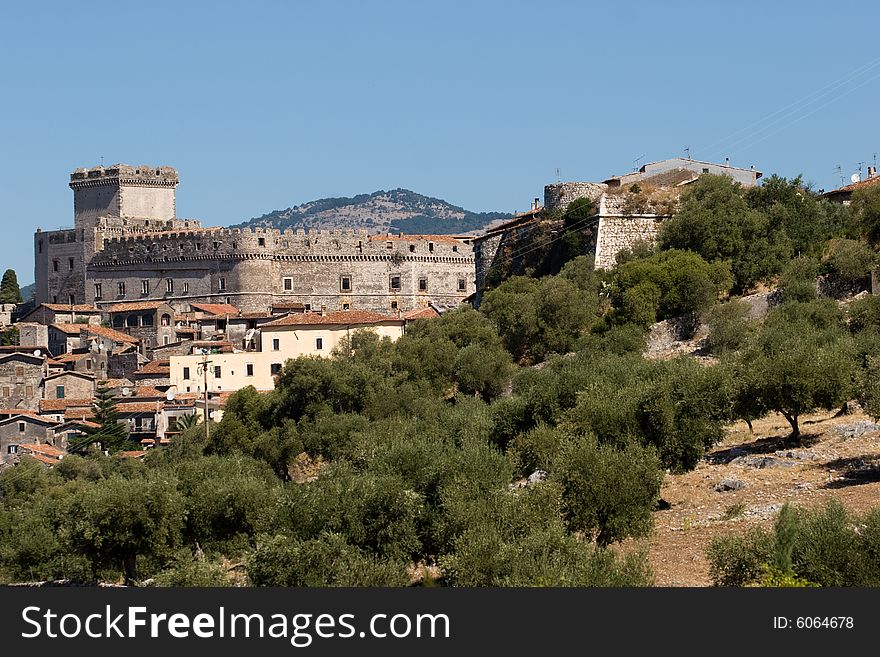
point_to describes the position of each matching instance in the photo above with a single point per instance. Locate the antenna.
(102, 161)
(839, 170)
(636, 162)
(860, 168)
(687, 150)
(558, 174)
(170, 394)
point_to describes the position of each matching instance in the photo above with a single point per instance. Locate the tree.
(716, 222)
(866, 212)
(9, 290)
(850, 260)
(111, 435)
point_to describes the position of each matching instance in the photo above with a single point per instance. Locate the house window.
(393, 305)
(222, 284)
(147, 320)
(28, 391)
(21, 427)
(89, 364)
(185, 288)
(59, 392)
(288, 284)
(71, 299)
(97, 291)
(166, 319)
(172, 423)
(145, 287)
(346, 306)
(12, 449)
(307, 307)
(70, 264)
(249, 369)
(275, 368)
(165, 339)
(19, 371)
(169, 285)
(185, 373)
(120, 289)
(319, 344)
(217, 372)
(131, 321)
(118, 321)
(394, 282)
(423, 284)
(54, 265)
(705, 169)
(5, 391)
(345, 283)
(462, 285)
(276, 344)
(261, 241)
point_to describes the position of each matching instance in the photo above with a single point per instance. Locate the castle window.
(185, 288)
(249, 369)
(261, 241)
(180, 245)
(235, 245)
(147, 320)
(40, 246)
(198, 246)
(131, 321)
(118, 321)
(455, 248)
(145, 287)
(288, 284)
(120, 288)
(71, 299)
(216, 245)
(389, 245)
(307, 307)
(222, 284)
(166, 319)
(54, 265)
(423, 284)
(462, 285)
(276, 344)
(346, 306)
(394, 282)
(412, 248)
(227, 301)
(97, 291)
(319, 344)
(345, 283)
(431, 247)
(393, 305)
(275, 368)
(54, 298)
(169, 285)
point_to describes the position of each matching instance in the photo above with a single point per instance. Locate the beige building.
(292, 336)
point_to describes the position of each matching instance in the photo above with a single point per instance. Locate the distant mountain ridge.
(393, 211)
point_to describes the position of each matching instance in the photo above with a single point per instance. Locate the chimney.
(536, 203)
(727, 161)
(323, 310)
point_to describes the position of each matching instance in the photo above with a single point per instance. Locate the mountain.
(394, 211)
(27, 292)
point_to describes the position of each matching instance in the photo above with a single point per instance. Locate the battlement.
(124, 174)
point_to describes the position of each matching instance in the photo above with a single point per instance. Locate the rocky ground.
(747, 478)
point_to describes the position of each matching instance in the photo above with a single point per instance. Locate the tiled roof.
(27, 417)
(57, 405)
(116, 383)
(63, 373)
(71, 358)
(854, 186)
(77, 308)
(47, 450)
(156, 367)
(215, 308)
(147, 391)
(421, 313)
(123, 407)
(16, 411)
(134, 305)
(111, 334)
(48, 460)
(78, 414)
(131, 454)
(256, 315)
(340, 317)
(69, 329)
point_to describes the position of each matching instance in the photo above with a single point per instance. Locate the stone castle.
(127, 244)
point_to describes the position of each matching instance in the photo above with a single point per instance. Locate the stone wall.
(558, 195)
(21, 381)
(617, 233)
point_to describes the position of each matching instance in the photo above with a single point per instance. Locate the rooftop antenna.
(558, 174)
(102, 161)
(636, 162)
(860, 168)
(839, 170)
(687, 150)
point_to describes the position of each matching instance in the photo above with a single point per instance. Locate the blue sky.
(263, 105)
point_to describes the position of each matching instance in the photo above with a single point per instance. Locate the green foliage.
(717, 222)
(111, 435)
(189, 572)
(9, 290)
(851, 261)
(9, 337)
(608, 492)
(798, 279)
(865, 207)
(729, 327)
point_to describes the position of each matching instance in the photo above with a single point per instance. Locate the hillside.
(397, 210)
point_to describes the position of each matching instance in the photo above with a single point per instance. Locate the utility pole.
(204, 367)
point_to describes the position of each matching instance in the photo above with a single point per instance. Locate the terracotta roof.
(116, 383)
(216, 308)
(78, 413)
(48, 460)
(146, 391)
(71, 358)
(69, 329)
(134, 305)
(156, 367)
(111, 334)
(184, 329)
(77, 308)
(27, 417)
(123, 407)
(131, 454)
(421, 313)
(79, 423)
(339, 317)
(16, 411)
(57, 405)
(47, 450)
(256, 315)
(81, 375)
(854, 186)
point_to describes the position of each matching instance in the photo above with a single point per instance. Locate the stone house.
(21, 380)
(59, 313)
(75, 385)
(20, 430)
(151, 322)
(844, 194)
(66, 409)
(155, 373)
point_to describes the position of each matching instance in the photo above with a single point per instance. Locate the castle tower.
(123, 191)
